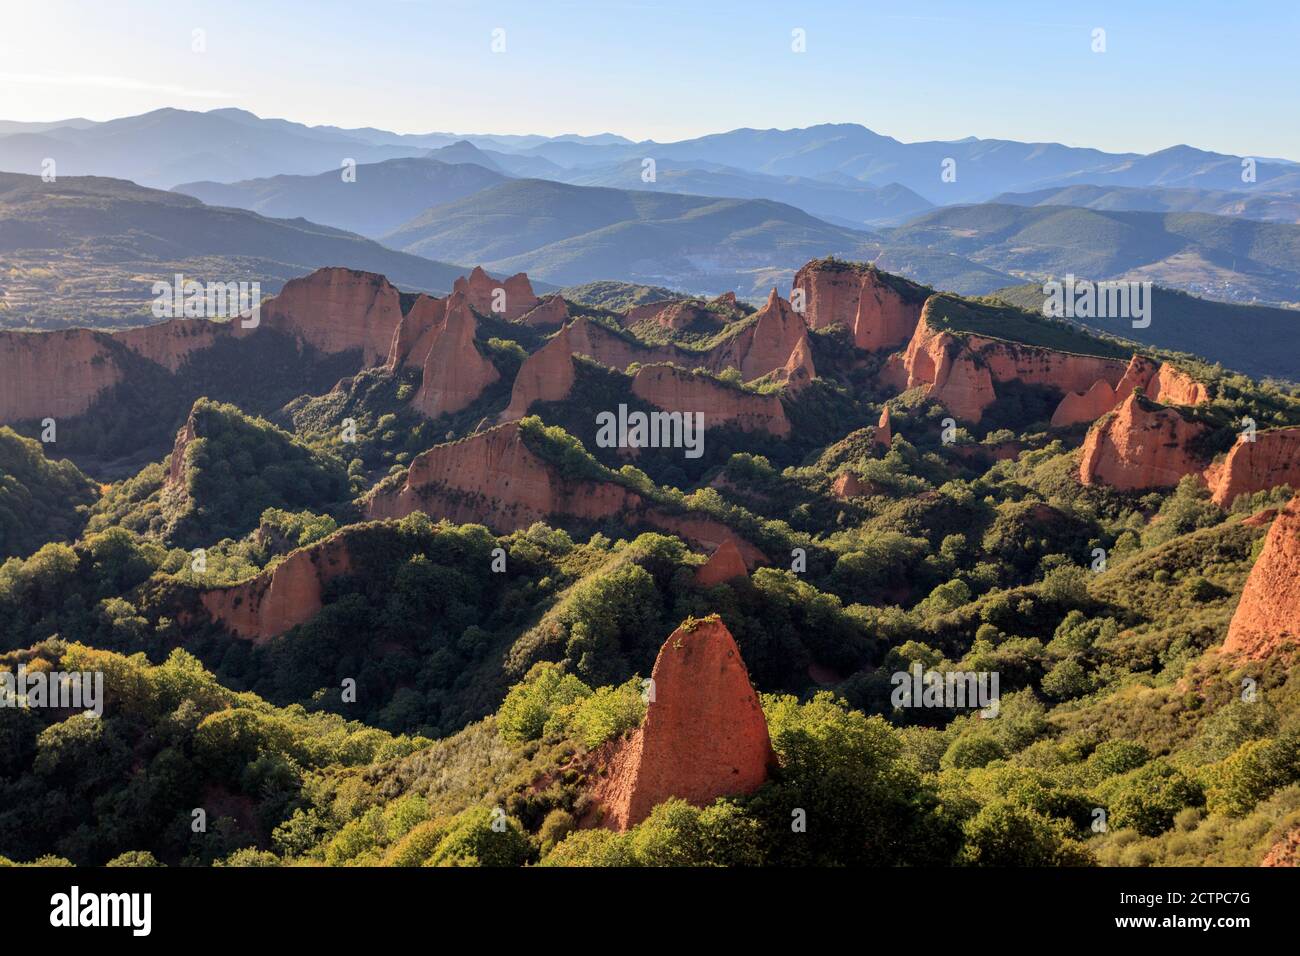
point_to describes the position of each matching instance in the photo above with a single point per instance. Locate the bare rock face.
(1079, 407)
(416, 333)
(848, 485)
(60, 374)
(961, 372)
(1285, 852)
(176, 475)
(704, 734)
(1268, 614)
(278, 600)
(1272, 459)
(1140, 445)
(675, 390)
(724, 564)
(455, 374)
(877, 314)
(336, 310)
(494, 479)
(514, 295)
(769, 345)
(884, 434)
(551, 311)
(1161, 382)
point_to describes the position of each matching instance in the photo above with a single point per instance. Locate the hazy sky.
(1218, 75)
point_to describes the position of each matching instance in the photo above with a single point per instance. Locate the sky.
(1217, 75)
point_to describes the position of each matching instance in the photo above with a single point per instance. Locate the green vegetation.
(40, 500)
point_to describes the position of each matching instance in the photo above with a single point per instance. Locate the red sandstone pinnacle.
(776, 338)
(1268, 614)
(514, 296)
(1140, 445)
(848, 485)
(884, 435)
(724, 564)
(455, 374)
(704, 735)
(1161, 382)
(1079, 407)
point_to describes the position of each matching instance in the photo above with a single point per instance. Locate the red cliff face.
(704, 735)
(961, 371)
(877, 315)
(1268, 614)
(724, 564)
(336, 310)
(61, 374)
(514, 295)
(176, 474)
(674, 390)
(1161, 383)
(437, 336)
(776, 343)
(278, 600)
(1272, 459)
(848, 485)
(494, 479)
(1140, 445)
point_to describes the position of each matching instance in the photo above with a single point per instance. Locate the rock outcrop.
(848, 485)
(509, 299)
(675, 390)
(704, 734)
(437, 336)
(775, 344)
(337, 310)
(552, 311)
(1160, 382)
(1272, 459)
(1268, 614)
(880, 313)
(724, 564)
(1285, 852)
(1138, 446)
(884, 434)
(278, 600)
(960, 372)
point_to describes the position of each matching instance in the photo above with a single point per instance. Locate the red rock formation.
(877, 315)
(1285, 852)
(1268, 614)
(960, 371)
(1140, 445)
(649, 310)
(551, 311)
(848, 485)
(1260, 518)
(769, 345)
(704, 735)
(1272, 459)
(278, 600)
(494, 479)
(54, 374)
(437, 336)
(672, 389)
(724, 564)
(176, 475)
(884, 435)
(337, 310)
(481, 291)
(1078, 407)
(1161, 383)
(704, 532)
(416, 333)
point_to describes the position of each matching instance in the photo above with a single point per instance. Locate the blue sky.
(1217, 75)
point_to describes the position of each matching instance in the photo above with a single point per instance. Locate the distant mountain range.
(86, 251)
(1267, 207)
(170, 146)
(1225, 258)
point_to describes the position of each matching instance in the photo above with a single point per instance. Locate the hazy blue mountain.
(382, 197)
(1216, 256)
(1265, 206)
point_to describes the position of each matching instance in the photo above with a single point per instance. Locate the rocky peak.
(337, 310)
(1140, 445)
(884, 434)
(875, 312)
(724, 564)
(704, 733)
(514, 295)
